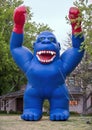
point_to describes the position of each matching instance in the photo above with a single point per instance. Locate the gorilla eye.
(52, 39)
(41, 39)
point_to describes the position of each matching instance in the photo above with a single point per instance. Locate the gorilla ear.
(59, 45)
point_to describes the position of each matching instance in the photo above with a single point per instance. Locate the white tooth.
(49, 60)
(52, 53)
(39, 52)
(46, 61)
(53, 57)
(42, 51)
(38, 57)
(42, 61)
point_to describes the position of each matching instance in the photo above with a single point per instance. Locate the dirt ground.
(74, 123)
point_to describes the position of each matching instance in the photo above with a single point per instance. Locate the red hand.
(19, 19)
(74, 14)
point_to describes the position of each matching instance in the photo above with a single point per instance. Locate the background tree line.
(83, 73)
(11, 77)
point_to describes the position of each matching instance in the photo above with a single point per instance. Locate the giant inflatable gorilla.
(45, 69)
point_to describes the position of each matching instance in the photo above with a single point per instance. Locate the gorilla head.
(46, 48)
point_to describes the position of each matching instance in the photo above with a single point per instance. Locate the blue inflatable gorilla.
(45, 69)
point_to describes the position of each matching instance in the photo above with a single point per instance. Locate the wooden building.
(14, 101)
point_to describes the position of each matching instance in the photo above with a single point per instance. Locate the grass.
(13, 122)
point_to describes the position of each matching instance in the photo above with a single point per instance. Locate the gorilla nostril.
(47, 41)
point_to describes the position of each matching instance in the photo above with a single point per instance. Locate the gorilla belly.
(44, 76)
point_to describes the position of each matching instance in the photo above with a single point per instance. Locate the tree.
(81, 78)
(86, 9)
(85, 76)
(11, 77)
(83, 73)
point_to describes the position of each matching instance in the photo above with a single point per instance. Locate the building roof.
(13, 94)
(72, 91)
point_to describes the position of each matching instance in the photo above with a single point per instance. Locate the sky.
(53, 13)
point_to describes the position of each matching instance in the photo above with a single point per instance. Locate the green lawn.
(12, 122)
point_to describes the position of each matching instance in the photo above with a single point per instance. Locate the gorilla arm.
(21, 54)
(72, 57)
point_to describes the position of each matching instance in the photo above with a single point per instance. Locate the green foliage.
(11, 77)
(7, 65)
(86, 10)
(73, 113)
(46, 105)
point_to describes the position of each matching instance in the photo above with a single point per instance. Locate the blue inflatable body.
(46, 71)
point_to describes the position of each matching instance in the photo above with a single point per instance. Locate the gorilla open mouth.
(46, 56)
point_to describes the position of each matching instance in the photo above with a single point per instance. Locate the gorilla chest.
(44, 74)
